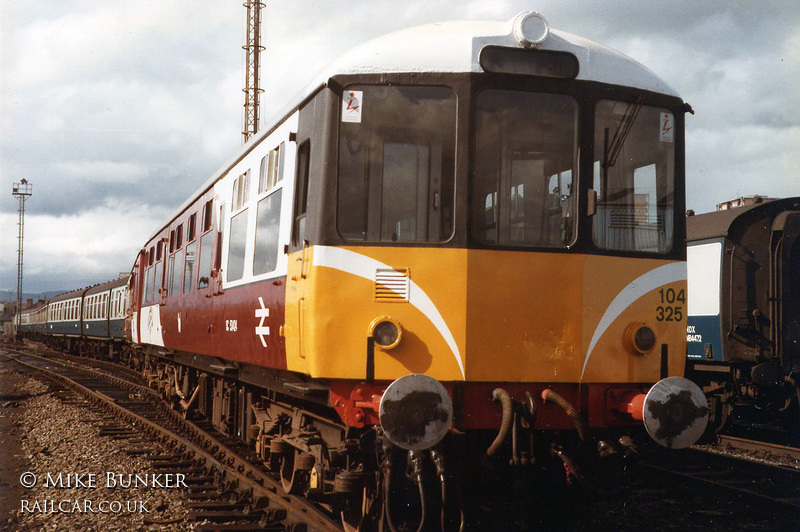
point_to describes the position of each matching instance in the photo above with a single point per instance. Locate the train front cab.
(479, 236)
(501, 231)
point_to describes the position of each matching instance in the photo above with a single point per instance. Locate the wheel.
(296, 471)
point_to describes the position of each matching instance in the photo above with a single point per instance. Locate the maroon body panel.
(242, 324)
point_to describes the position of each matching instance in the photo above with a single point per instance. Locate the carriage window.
(237, 240)
(265, 257)
(262, 174)
(396, 164)
(158, 270)
(271, 169)
(176, 270)
(239, 195)
(170, 274)
(525, 157)
(634, 177)
(192, 226)
(188, 272)
(204, 262)
(208, 212)
(148, 285)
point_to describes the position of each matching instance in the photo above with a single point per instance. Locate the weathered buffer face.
(501, 206)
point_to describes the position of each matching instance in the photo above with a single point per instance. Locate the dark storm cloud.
(116, 113)
(78, 167)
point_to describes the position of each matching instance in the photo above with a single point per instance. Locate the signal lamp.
(639, 338)
(387, 332)
(530, 29)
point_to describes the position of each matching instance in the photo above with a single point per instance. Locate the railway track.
(764, 449)
(727, 489)
(693, 489)
(225, 490)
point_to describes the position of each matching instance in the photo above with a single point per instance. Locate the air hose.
(501, 395)
(549, 396)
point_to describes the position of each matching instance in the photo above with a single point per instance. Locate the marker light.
(386, 332)
(639, 338)
(530, 29)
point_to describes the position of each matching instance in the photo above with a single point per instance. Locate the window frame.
(373, 235)
(301, 190)
(270, 193)
(671, 215)
(502, 208)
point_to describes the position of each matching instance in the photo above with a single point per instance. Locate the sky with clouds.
(117, 111)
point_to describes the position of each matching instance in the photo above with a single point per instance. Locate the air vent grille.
(391, 285)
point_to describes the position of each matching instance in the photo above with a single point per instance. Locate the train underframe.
(478, 478)
(749, 399)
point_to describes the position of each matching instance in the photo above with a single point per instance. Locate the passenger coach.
(88, 320)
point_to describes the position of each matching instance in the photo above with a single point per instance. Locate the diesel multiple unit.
(458, 234)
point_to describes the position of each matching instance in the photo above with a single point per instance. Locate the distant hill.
(11, 295)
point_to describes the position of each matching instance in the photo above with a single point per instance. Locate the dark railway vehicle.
(460, 244)
(33, 320)
(64, 314)
(88, 320)
(744, 312)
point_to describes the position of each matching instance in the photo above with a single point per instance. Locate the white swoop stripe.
(669, 273)
(363, 266)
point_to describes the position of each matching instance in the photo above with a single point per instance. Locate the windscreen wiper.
(612, 149)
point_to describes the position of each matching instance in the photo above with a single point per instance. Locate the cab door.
(311, 197)
(299, 250)
(298, 266)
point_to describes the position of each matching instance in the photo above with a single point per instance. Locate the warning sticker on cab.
(351, 106)
(667, 133)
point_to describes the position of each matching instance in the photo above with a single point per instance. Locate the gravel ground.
(48, 438)
(14, 390)
(756, 456)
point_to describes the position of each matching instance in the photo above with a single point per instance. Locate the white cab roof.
(455, 47)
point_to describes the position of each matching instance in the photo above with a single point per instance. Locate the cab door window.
(301, 193)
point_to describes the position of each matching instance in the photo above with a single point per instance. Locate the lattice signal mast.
(252, 87)
(21, 191)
